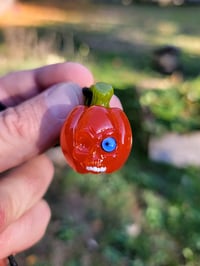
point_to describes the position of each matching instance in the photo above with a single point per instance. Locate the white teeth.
(96, 169)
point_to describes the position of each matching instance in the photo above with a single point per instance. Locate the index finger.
(18, 86)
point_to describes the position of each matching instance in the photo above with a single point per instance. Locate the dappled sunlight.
(190, 44)
(34, 15)
(167, 28)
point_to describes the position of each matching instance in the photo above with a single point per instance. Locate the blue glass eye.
(109, 144)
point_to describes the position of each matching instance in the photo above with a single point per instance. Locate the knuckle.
(49, 166)
(3, 215)
(45, 209)
(19, 123)
(46, 173)
(3, 262)
(40, 176)
(2, 218)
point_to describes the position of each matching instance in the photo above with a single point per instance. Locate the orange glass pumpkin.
(96, 138)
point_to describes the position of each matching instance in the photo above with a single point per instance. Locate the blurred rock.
(177, 149)
(92, 244)
(166, 60)
(133, 230)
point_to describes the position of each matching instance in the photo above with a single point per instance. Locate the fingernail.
(62, 98)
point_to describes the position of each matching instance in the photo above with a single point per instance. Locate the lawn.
(146, 214)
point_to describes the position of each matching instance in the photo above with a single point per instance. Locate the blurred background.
(147, 213)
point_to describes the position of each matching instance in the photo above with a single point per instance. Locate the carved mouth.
(96, 169)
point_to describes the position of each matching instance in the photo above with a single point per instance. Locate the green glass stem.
(101, 94)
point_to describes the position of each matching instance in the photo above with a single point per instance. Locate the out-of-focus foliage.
(175, 109)
(149, 216)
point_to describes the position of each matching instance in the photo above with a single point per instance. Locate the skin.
(32, 123)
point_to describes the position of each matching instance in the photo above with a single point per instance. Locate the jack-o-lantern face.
(96, 139)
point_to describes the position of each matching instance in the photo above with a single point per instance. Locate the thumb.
(33, 126)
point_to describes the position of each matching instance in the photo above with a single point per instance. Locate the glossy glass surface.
(109, 144)
(83, 135)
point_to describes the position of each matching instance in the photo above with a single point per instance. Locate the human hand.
(39, 101)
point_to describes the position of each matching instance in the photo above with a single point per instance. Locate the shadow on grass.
(104, 47)
(100, 46)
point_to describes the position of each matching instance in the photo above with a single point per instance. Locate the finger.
(3, 262)
(18, 86)
(115, 102)
(33, 126)
(22, 188)
(66, 72)
(26, 231)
